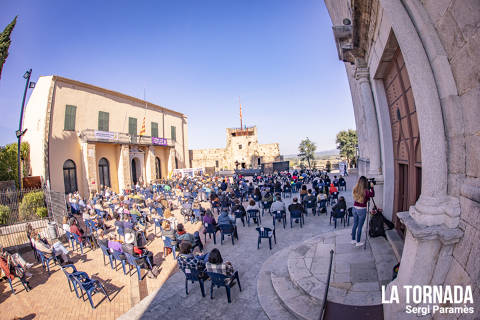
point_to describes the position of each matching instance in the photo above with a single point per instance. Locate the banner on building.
(159, 141)
(105, 135)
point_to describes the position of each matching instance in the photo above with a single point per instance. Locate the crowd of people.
(118, 222)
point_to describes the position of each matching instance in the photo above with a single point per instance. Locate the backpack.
(376, 225)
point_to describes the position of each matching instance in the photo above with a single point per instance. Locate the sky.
(195, 57)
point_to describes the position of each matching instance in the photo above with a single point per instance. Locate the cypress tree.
(5, 43)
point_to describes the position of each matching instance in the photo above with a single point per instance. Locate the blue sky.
(196, 57)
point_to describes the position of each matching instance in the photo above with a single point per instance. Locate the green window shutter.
(103, 121)
(70, 113)
(154, 129)
(174, 133)
(132, 126)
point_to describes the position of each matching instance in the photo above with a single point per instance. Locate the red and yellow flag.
(142, 130)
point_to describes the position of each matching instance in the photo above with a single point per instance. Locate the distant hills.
(319, 154)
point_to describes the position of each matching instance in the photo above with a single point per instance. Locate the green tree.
(347, 141)
(5, 43)
(8, 161)
(306, 151)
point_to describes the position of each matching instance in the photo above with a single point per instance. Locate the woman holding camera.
(362, 192)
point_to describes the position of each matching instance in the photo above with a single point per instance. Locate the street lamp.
(19, 133)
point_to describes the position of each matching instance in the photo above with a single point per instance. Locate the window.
(70, 176)
(176, 163)
(158, 168)
(173, 133)
(154, 130)
(70, 112)
(259, 161)
(216, 163)
(103, 121)
(239, 147)
(132, 126)
(104, 172)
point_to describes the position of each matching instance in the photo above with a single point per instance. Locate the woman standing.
(362, 192)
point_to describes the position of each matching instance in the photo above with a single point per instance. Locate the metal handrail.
(324, 304)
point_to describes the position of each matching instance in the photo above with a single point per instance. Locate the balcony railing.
(91, 135)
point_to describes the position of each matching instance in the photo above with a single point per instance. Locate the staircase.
(291, 283)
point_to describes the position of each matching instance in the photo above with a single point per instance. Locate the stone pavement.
(286, 282)
(52, 299)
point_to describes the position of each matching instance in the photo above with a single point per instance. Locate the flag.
(142, 130)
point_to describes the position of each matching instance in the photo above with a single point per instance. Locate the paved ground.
(166, 302)
(51, 298)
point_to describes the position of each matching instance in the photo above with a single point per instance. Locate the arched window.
(70, 176)
(104, 172)
(158, 168)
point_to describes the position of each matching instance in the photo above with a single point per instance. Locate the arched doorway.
(405, 136)
(134, 171)
(70, 176)
(104, 172)
(158, 168)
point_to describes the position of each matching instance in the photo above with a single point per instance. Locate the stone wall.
(458, 26)
(439, 40)
(241, 147)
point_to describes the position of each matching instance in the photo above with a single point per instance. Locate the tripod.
(367, 221)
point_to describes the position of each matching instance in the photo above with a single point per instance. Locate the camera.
(372, 180)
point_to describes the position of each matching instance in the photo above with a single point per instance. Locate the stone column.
(362, 76)
(90, 162)
(427, 260)
(124, 178)
(150, 170)
(171, 160)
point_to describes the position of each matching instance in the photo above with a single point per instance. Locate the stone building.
(242, 151)
(413, 68)
(82, 136)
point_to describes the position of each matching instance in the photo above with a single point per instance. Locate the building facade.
(242, 152)
(82, 137)
(413, 68)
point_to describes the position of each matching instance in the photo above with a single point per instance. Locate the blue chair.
(193, 275)
(287, 191)
(227, 229)
(46, 261)
(100, 213)
(266, 233)
(211, 229)
(280, 216)
(106, 253)
(333, 198)
(322, 204)
(78, 241)
(167, 243)
(90, 286)
(218, 280)
(157, 223)
(118, 256)
(296, 215)
(311, 204)
(134, 262)
(71, 274)
(337, 214)
(253, 214)
(347, 217)
(121, 232)
(23, 281)
(266, 206)
(239, 215)
(197, 215)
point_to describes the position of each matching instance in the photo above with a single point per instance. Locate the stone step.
(269, 300)
(302, 306)
(396, 242)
